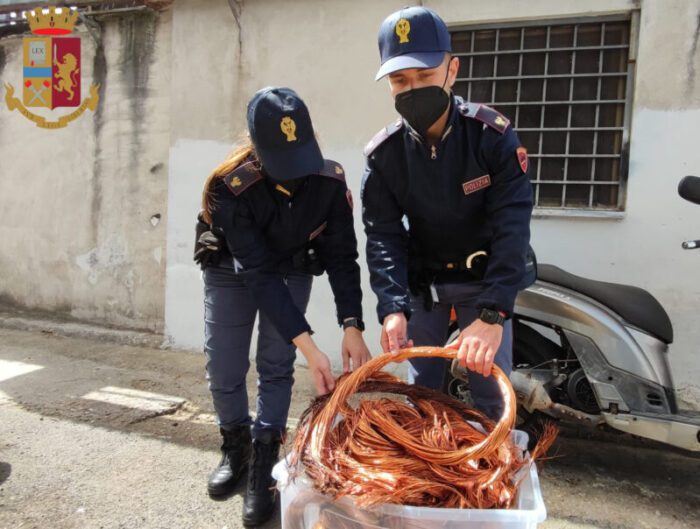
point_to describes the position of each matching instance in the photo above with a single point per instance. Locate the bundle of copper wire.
(410, 445)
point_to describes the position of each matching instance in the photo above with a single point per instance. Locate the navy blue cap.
(413, 37)
(280, 129)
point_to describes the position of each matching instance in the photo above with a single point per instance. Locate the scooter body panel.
(624, 348)
(676, 430)
(628, 369)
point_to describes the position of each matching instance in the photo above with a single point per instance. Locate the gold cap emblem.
(500, 121)
(235, 181)
(403, 28)
(288, 127)
(338, 169)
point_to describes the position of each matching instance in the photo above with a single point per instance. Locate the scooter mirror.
(689, 189)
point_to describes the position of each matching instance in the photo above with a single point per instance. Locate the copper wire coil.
(410, 445)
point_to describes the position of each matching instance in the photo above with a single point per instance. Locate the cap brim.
(429, 59)
(302, 160)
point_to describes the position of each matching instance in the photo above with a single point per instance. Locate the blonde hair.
(242, 151)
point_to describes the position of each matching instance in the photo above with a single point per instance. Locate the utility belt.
(306, 260)
(423, 272)
(473, 265)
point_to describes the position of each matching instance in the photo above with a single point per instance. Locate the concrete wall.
(82, 213)
(206, 122)
(327, 52)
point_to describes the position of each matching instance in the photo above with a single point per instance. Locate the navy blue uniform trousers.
(230, 311)
(431, 328)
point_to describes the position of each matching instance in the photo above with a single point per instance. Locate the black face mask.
(422, 107)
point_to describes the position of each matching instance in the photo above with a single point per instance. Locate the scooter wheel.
(580, 392)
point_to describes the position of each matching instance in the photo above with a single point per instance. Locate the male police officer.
(446, 207)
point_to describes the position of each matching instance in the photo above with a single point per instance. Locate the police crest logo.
(500, 121)
(521, 153)
(289, 128)
(338, 169)
(478, 183)
(52, 66)
(403, 28)
(236, 182)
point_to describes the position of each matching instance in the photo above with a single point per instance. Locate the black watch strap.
(491, 316)
(354, 322)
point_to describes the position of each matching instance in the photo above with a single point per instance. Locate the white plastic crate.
(308, 507)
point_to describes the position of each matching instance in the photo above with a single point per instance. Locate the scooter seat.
(635, 305)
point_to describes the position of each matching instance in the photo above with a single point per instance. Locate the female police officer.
(285, 213)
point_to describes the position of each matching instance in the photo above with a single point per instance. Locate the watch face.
(489, 316)
(355, 322)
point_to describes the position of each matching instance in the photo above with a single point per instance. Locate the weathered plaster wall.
(82, 212)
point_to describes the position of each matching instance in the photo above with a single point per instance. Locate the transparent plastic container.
(304, 508)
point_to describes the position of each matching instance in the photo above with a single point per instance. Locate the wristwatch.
(354, 322)
(491, 316)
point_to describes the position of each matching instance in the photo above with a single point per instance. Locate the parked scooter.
(596, 354)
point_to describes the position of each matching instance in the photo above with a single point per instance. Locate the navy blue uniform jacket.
(470, 193)
(265, 227)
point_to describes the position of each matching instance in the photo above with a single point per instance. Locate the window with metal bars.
(566, 87)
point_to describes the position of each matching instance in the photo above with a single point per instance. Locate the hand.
(477, 346)
(319, 365)
(395, 333)
(320, 368)
(354, 348)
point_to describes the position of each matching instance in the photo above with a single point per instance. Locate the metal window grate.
(566, 86)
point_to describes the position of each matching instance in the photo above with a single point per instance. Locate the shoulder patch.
(244, 176)
(487, 115)
(521, 155)
(381, 136)
(332, 169)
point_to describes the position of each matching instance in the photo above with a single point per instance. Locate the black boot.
(260, 495)
(235, 452)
